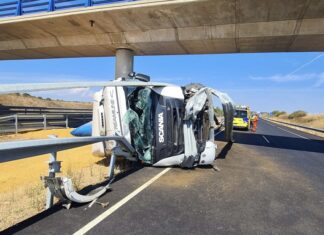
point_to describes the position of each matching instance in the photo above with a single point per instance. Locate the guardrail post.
(111, 168)
(19, 8)
(67, 121)
(16, 123)
(53, 167)
(88, 3)
(44, 122)
(51, 5)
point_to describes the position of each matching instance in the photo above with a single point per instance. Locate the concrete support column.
(124, 62)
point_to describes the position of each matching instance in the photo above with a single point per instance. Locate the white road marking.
(293, 133)
(288, 131)
(218, 133)
(119, 204)
(266, 139)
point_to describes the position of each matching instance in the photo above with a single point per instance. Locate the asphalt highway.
(270, 182)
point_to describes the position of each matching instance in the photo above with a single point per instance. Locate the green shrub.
(26, 95)
(277, 113)
(297, 114)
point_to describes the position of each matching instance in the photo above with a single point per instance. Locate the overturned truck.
(159, 124)
(168, 125)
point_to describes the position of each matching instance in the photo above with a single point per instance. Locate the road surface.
(271, 181)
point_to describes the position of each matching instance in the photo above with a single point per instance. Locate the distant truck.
(242, 117)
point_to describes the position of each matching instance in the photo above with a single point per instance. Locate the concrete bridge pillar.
(124, 62)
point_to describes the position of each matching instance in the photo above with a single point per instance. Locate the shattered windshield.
(139, 119)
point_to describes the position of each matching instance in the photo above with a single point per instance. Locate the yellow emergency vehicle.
(242, 117)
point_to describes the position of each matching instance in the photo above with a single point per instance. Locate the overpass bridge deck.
(166, 27)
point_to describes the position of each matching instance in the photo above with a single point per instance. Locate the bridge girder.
(161, 27)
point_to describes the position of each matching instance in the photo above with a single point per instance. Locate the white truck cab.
(169, 125)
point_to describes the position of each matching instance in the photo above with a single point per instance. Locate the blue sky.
(265, 81)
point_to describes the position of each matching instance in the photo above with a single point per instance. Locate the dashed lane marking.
(266, 139)
(119, 204)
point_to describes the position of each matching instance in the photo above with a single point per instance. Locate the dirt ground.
(22, 193)
(28, 101)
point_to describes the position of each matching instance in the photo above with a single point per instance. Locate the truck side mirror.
(143, 77)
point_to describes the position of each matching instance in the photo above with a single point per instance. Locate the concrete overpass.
(161, 27)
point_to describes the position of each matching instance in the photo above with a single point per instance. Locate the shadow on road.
(26, 223)
(223, 153)
(281, 142)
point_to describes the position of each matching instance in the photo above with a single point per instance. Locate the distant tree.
(26, 95)
(277, 113)
(297, 114)
(49, 99)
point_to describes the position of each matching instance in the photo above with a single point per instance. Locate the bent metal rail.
(21, 7)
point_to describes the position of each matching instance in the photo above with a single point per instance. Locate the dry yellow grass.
(30, 169)
(27, 200)
(311, 120)
(22, 194)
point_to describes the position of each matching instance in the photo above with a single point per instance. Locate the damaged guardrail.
(62, 187)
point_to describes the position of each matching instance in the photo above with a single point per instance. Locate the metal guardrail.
(16, 150)
(7, 110)
(300, 126)
(20, 118)
(21, 7)
(16, 123)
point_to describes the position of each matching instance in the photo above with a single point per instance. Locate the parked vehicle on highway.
(242, 117)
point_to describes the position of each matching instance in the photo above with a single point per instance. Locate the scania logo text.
(161, 127)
